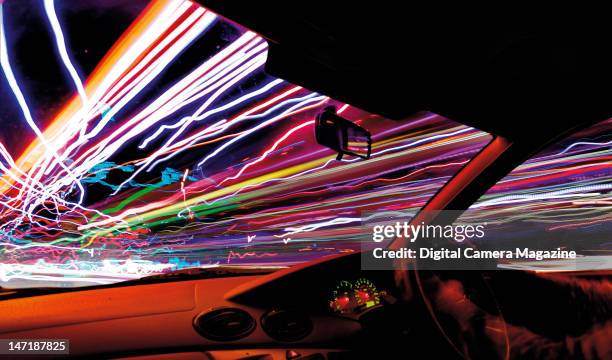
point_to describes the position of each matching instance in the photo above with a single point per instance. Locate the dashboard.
(326, 310)
(235, 317)
(335, 287)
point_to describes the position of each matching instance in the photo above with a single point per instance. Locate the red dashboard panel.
(142, 318)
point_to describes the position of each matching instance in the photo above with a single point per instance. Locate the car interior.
(202, 193)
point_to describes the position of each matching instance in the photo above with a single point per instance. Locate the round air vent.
(224, 324)
(286, 325)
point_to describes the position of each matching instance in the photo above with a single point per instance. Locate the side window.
(559, 199)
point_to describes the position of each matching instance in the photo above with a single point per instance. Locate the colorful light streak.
(561, 195)
(573, 177)
(219, 165)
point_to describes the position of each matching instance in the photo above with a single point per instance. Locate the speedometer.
(366, 293)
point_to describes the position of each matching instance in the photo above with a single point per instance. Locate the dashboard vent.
(224, 324)
(286, 325)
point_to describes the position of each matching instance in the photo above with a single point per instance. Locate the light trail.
(61, 48)
(141, 172)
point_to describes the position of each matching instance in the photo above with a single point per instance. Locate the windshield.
(144, 137)
(558, 198)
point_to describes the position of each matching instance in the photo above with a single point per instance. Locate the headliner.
(523, 71)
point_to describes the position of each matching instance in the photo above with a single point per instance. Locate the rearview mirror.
(342, 135)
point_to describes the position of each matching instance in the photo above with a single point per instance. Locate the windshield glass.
(144, 137)
(560, 198)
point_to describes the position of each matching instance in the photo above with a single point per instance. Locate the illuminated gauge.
(366, 294)
(343, 297)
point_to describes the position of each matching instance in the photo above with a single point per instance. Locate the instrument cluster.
(355, 297)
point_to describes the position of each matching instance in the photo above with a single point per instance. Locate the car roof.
(528, 72)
